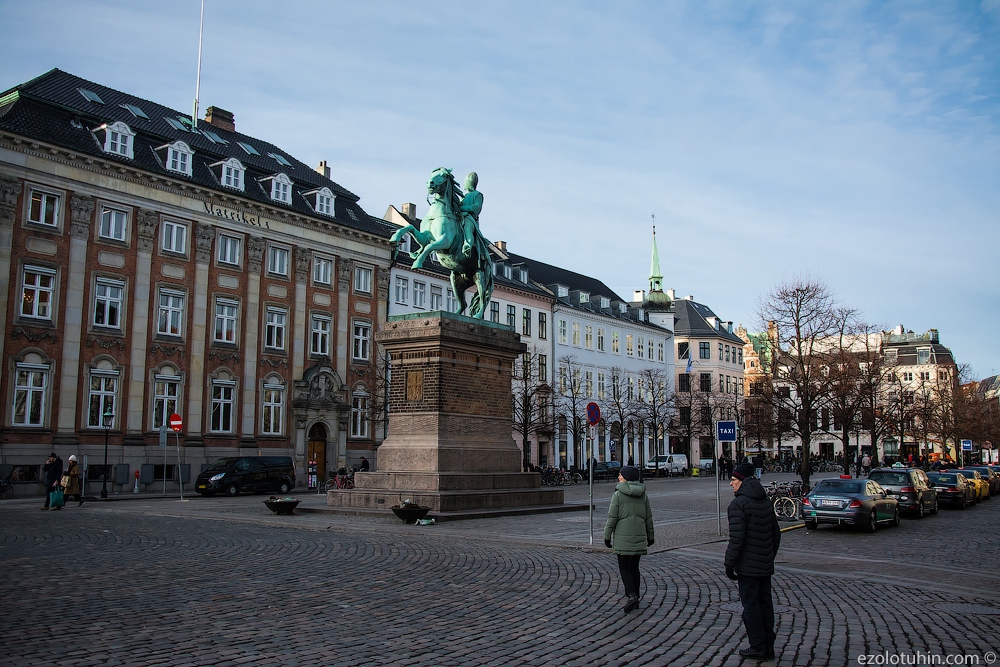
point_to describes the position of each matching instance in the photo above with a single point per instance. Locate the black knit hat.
(743, 471)
(630, 473)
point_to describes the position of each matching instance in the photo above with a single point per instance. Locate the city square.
(151, 580)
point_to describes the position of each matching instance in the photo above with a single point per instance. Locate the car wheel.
(934, 510)
(895, 517)
(978, 499)
(284, 488)
(872, 523)
(233, 490)
(811, 525)
(964, 504)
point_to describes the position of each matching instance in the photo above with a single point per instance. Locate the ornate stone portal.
(449, 445)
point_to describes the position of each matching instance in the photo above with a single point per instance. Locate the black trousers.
(758, 611)
(629, 568)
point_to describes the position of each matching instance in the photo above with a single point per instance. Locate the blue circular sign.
(593, 413)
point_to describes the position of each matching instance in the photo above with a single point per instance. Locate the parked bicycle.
(342, 478)
(6, 486)
(786, 497)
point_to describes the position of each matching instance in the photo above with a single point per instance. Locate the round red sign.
(176, 423)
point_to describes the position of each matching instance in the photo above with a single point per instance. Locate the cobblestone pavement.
(223, 582)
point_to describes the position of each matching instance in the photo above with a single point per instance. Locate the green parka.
(630, 519)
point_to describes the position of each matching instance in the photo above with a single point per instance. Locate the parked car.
(981, 485)
(855, 502)
(953, 489)
(260, 474)
(991, 476)
(667, 464)
(910, 486)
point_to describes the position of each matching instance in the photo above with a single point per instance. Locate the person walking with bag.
(754, 537)
(71, 481)
(53, 473)
(630, 524)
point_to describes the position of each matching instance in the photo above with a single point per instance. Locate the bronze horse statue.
(451, 229)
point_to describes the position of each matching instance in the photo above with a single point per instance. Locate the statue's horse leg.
(479, 300)
(443, 243)
(460, 283)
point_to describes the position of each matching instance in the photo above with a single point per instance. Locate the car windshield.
(891, 478)
(837, 486)
(944, 479)
(221, 464)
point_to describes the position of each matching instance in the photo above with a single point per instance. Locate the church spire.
(655, 277)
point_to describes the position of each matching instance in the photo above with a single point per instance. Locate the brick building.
(151, 265)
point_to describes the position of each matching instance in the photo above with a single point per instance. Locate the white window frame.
(361, 331)
(174, 234)
(166, 398)
(359, 415)
(322, 201)
(576, 334)
(322, 271)
(113, 224)
(272, 409)
(44, 285)
(450, 301)
(227, 313)
(48, 208)
(562, 332)
(588, 337)
(275, 328)
(419, 294)
(232, 173)
(600, 339)
(281, 188)
(107, 302)
(363, 279)
(277, 261)
(230, 250)
(437, 297)
(223, 416)
(402, 289)
(105, 393)
(171, 312)
(320, 331)
(118, 139)
(31, 387)
(179, 158)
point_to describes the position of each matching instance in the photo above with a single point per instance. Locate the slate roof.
(546, 274)
(51, 109)
(691, 321)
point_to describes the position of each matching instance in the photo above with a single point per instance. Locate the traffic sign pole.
(176, 423)
(725, 431)
(593, 417)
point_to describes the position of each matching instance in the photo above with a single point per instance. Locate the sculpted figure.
(472, 204)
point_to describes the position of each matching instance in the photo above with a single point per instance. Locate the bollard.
(136, 489)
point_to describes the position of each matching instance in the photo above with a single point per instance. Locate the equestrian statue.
(451, 229)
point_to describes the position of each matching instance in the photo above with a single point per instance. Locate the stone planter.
(283, 506)
(410, 513)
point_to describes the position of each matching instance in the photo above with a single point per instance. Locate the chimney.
(638, 295)
(671, 294)
(323, 169)
(689, 297)
(501, 245)
(410, 210)
(898, 330)
(220, 118)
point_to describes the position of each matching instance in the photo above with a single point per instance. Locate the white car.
(668, 464)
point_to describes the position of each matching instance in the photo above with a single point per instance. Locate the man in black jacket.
(754, 536)
(53, 469)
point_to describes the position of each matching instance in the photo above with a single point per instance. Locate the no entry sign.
(176, 423)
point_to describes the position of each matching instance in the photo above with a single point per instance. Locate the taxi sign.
(726, 431)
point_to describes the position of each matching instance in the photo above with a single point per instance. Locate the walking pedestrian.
(754, 537)
(53, 469)
(71, 481)
(630, 523)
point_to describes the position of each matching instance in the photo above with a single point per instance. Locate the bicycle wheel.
(784, 507)
(7, 491)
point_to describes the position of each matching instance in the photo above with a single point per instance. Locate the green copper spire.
(655, 277)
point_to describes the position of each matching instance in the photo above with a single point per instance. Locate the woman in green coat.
(630, 522)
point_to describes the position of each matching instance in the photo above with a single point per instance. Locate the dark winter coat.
(73, 472)
(53, 472)
(754, 534)
(630, 519)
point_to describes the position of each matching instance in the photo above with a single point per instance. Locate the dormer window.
(523, 277)
(230, 173)
(605, 303)
(117, 138)
(507, 272)
(584, 297)
(321, 200)
(281, 188)
(622, 308)
(178, 157)
(562, 291)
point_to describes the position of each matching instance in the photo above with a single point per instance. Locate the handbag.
(56, 498)
(64, 482)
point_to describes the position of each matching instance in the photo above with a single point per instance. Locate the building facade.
(154, 266)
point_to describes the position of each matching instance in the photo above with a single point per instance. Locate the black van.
(260, 474)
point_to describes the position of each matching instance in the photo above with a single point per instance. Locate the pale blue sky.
(856, 142)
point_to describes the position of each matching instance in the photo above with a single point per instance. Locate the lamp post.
(109, 417)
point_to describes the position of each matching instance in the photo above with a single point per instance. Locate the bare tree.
(853, 352)
(619, 406)
(571, 402)
(805, 316)
(530, 401)
(656, 403)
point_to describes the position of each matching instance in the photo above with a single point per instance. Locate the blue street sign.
(967, 445)
(726, 431)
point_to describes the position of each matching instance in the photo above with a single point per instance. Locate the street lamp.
(109, 418)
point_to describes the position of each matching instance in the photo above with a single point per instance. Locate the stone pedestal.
(449, 445)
